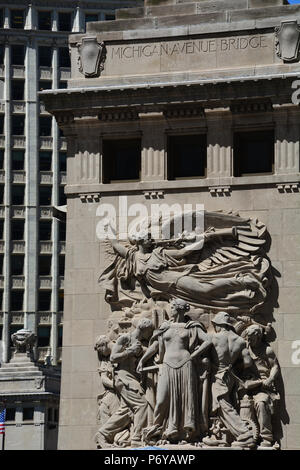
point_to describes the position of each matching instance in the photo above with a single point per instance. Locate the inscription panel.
(193, 54)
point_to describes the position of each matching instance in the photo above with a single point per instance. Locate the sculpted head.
(179, 307)
(254, 334)
(143, 237)
(146, 327)
(102, 345)
(222, 320)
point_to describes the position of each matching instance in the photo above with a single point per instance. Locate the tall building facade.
(34, 56)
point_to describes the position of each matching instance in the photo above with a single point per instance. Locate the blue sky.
(294, 1)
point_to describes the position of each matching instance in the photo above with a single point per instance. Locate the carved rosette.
(287, 41)
(92, 55)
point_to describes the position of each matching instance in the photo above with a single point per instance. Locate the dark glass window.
(10, 414)
(110, 17)
(2, 54)
(28, 414)
(64, 57)
(1, 263)
(1, 159)
(18, 125)
(59, 336)
(16, 302)
(187, 156)
(49, 414)
(62, 161)
(61, 265)
(45, 228)
(17, 55)
(17, 265)
(17, 194)
(56, 415)
(62, 197)
(122, 160)
(1, 327)
(253, 153)
(1, 17)
(45, 161)
(45, 56)
(17, 19)
(45, 85)
(45, 265)
(17, 229)
(63, 84)
(1, 124)
(18, 158)
(44, 301)
(62, 231)
(44, 20)
(61, 301)
(91, 17)
(17, 90)
(64, 21)
(45, 126)
(1, 229)
(1, 193)
(45, 194)
(43, 336)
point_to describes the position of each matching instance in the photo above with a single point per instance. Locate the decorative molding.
(119, 115)
(288, 187)
(251, 107)
(95, 197)
(287, 41)
(220, 191)
(177, 112)
(91, 58)
(154, 194)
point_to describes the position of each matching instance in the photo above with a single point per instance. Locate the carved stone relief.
(287, 41)
(186, 358)
(91, 57)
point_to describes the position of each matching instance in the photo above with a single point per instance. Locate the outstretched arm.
(151, 351)
(119, 249)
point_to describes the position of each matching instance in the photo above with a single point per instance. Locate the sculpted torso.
(227, 348)
(176, 342)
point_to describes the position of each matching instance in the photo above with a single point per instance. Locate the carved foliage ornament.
(92, 57)
(287, 41)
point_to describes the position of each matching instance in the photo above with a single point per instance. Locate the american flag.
(2, 421)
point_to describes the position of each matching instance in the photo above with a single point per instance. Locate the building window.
(61, 301)
(1, 124)
(2, 54)
(121, 160)
(45, 195)
(44, 20)
(18, 125)
(253, 153)
(45, 126)
(45, 56)
(63, 85)
(110, 17)
(17, 265)
(17, 229)
(17, 90)
(187, 156)
(45, 262)
(17, 19)
(28, 414)
(1, 193)
(89, 17)
(44, 301)
(59, 336)
(1, 18)
(10, 414)
(64, 57)
(45, 159)
(17, 194)
(64, 21)
(1, 229)
(45, 85)
(61, 265)
(1, 158)
(62, 231)
(45, 229)
(16, 303)
(62, 161)
(43, 336)
(56, 415)
(17, 55)
(1, 264)
(62, 199)
(17, 158)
